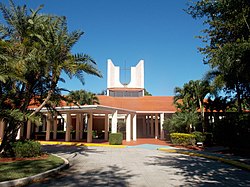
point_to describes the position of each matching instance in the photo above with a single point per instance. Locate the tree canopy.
(34, 51)
(227, 39)
(82, 97)
(146, 93)
(191, 96)
(190, 99)
(181, 122)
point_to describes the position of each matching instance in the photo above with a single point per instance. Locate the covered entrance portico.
(76, 117)
(80, 123)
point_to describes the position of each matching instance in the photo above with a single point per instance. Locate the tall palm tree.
(37, 49)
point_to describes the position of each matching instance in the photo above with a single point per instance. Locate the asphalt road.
(105, 166)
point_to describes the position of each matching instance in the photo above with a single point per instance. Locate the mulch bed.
(44, 156)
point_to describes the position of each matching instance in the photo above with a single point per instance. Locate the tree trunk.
(43, 104)
(238, 92)
(9, 137)
(202, 115)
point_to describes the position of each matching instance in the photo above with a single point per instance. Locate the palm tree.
(191, 97)
(82, 97)
(59, 59)
(37, 49)
(182, 122)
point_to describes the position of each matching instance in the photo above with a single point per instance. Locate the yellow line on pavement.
(228, 161)
(80, 144)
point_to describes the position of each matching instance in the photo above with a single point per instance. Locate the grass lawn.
(20, 169)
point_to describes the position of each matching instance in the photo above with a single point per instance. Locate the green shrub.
(209, 139)
(182, 139)
(115, 138)
(199, 136)
(26, 148)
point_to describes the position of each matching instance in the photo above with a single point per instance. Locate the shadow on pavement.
(111, 176)
(64, 149)
(203, 171)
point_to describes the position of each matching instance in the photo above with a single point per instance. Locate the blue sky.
(159, 32)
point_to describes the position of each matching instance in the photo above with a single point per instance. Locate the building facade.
(123, 109)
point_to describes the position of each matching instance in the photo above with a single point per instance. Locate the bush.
(26, 148)
(172, 126)
(199, 136)
(182, 139)
(115, 138)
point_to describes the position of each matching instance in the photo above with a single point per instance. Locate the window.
(126, 93)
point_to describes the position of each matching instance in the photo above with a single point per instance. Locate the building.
(124, 109)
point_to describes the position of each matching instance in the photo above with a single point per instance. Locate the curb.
(37, 177)
(235, 163)
(81, 144)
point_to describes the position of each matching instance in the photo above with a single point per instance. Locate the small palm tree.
(191, 97)
(82, 97)
(182, 122)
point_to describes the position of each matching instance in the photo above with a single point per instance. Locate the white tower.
(136, 86)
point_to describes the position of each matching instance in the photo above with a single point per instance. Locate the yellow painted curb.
(227, 161)
(80, 144)
(168, 150)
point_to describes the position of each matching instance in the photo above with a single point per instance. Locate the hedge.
(182, 139)
(199, 136)
(115, 138)
(26, 148)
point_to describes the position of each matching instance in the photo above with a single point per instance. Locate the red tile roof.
(62, 103)
(140, 104)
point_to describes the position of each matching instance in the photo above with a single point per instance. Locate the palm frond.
(6, 13)
(35, 12)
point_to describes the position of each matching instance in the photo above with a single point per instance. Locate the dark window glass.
(125, 93)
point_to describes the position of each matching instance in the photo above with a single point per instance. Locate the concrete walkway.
(105, 166)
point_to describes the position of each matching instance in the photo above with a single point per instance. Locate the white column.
(64, 121)
(156, 127)
(77, 127)
(106, 127)
(68, 127)
(85, 121)
(90, 126)
(55, 127)
(114, 122)
(28, 129)
(128, 128)
(18, 136)
(48, 127)
(152, 126)
(2, 128)
(134, 127)
(161, 124)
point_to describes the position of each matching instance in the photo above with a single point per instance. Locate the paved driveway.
(104, 166)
